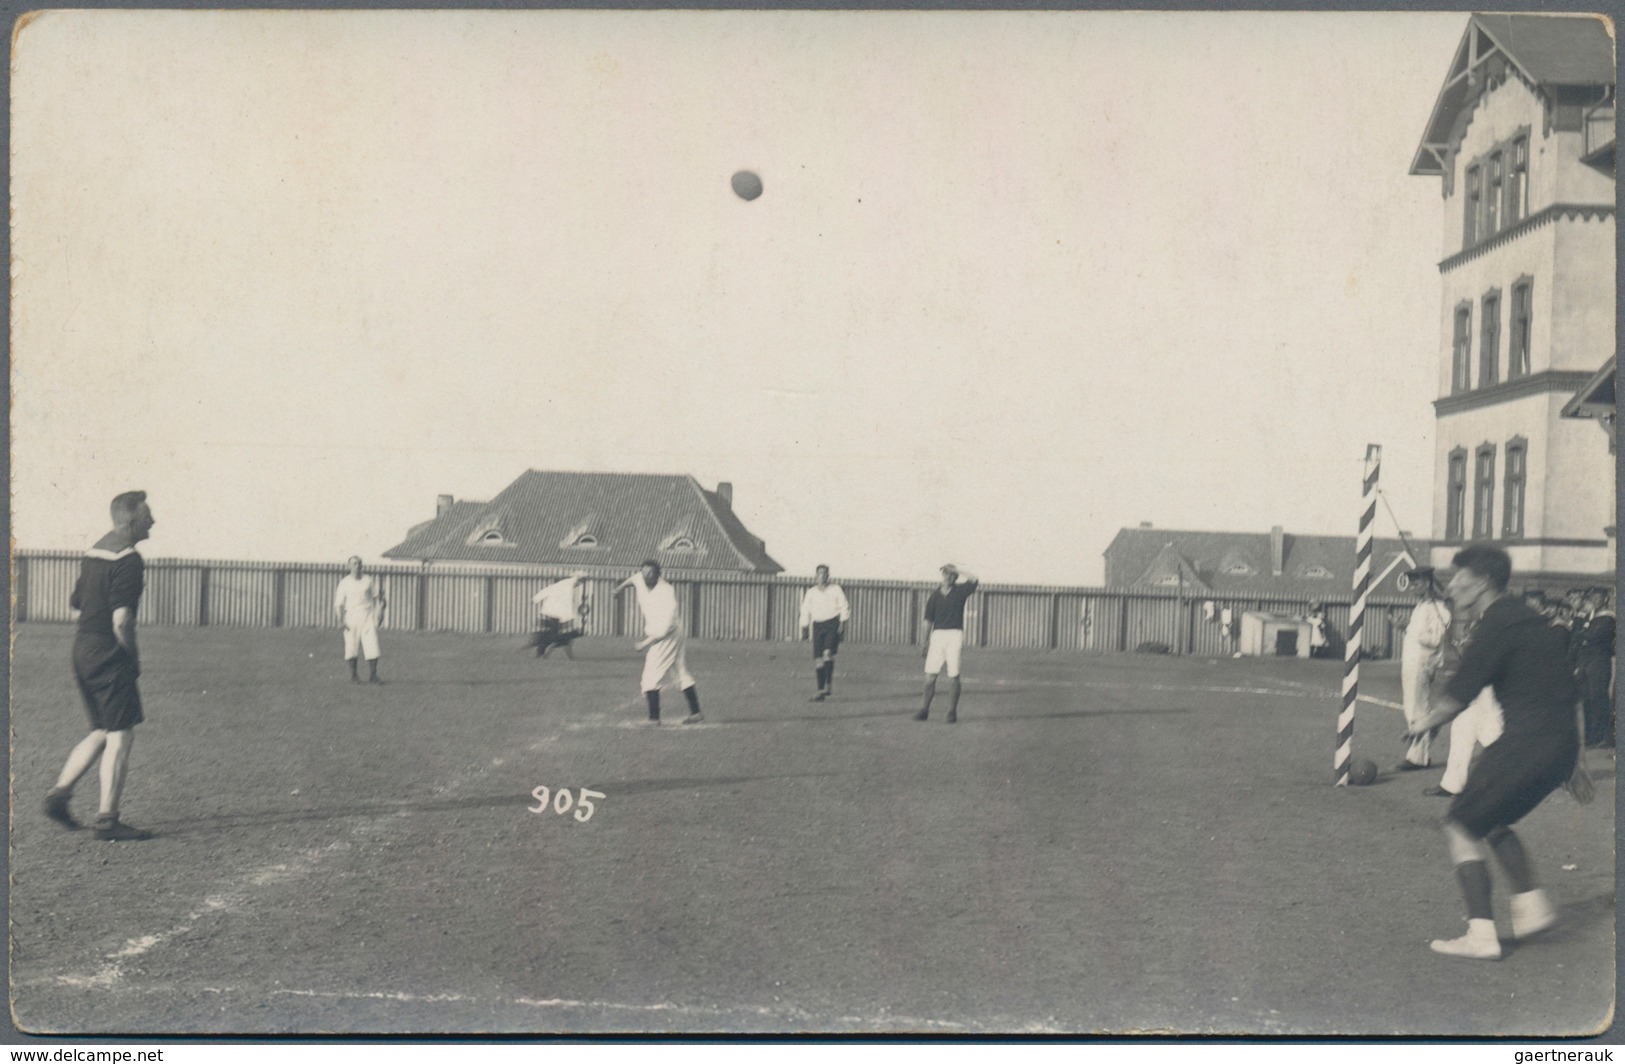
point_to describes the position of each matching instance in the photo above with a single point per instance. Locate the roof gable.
(1545, 51)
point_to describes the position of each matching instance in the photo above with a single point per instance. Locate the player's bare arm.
(1445, 710)
(124, 632)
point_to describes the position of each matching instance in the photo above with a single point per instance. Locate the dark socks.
(692, 694)
(953, 697)
(829, 676)
(653, 698)
(1514, 862)
(1474, 877)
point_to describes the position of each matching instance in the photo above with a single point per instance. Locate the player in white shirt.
(359, 604)
(824, 614)
(662, 640)
(561, 614)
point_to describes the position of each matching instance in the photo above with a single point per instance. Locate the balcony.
(1599, 132)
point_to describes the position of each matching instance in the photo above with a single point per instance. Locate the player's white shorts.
(944, 649)
(660, 659)
(363, 636)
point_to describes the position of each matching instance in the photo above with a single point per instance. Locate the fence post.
(490, 601)
(767, 624)
(203, 596)
(279, 596)
(1122, 623)
(21, 588)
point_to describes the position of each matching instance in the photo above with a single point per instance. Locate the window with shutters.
(1517, 181)
(1521, 325)
(1489, 339)
(1516, 465)
(1484, 492)
(1461, 360)
(1472, 203)
(1493, 191)
(1455, 494)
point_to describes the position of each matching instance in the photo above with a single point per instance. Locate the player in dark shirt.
(106, 664)
(945, 636)
(1515, 651)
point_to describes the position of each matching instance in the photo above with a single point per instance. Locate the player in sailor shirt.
(663, 640)
(106, 665)
(360, 605)
(824, 613)
(945, 627)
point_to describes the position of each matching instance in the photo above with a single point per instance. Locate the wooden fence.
(721, 606)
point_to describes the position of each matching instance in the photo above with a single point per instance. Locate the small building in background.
(591, 521)
(1273, 564)
(1266, 635)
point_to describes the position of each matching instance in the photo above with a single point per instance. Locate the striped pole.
(1362, 586)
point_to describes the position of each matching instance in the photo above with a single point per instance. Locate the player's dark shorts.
(107, 680)
(1512, 777)
(826, 635)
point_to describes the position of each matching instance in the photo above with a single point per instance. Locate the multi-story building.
(1522, 139)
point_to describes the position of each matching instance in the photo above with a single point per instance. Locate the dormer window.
(1238, 569)
(1317, 572)
(583, 536)
(490, 533)
(681, 543)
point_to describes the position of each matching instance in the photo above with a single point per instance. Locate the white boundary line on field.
(789, 1014)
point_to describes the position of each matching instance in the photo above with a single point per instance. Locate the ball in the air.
(747, 186)
(1362, 771)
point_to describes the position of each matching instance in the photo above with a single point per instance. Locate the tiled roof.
(1240, 562)
(1555, 49)
(593, 520)
(1547, 50)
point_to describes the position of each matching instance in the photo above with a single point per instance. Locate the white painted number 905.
(563, 800)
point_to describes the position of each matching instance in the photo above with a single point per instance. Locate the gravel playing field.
(1102, 844)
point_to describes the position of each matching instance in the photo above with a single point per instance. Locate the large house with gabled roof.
(591, 521)
(1273, 564)
(1522, 139)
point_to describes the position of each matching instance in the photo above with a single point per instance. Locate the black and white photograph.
(879, 524)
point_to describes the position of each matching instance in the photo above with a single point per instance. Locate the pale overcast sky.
(1017, 280)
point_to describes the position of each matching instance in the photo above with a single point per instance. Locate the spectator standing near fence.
(359, 603)
(106, 667)
(824, 615)
(1593, 654)
(945, 636)
(1421, 657)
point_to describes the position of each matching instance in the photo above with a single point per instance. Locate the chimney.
(725, 488)
(442, 503)
(1277, 550)
(1145, 524)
